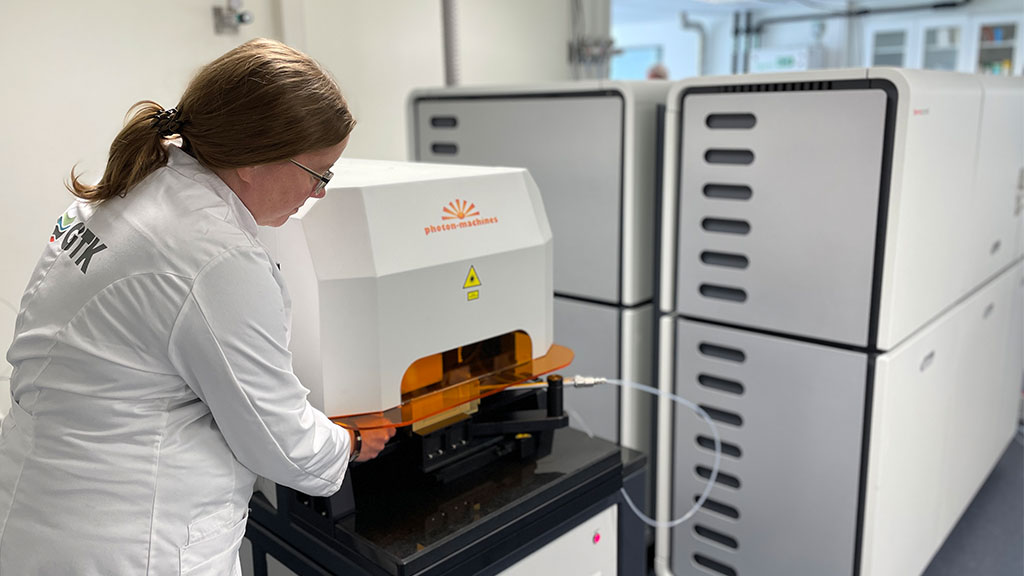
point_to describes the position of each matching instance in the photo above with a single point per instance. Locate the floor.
(989, 539)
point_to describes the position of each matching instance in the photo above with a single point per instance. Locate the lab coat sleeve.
(229, 344)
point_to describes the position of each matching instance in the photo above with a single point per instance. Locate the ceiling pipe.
(701, 40)
(854, 13)
(735, 41)
(747, 40)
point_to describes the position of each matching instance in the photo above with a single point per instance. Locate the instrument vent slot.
(725, 225)
(727, 448)
(444, 148)
(444, 121)
(723, 293)
(722, 352)
(713, 565)
(728, 191)
(723, 416)
(730, 121)
(720, 384)
(722, 478)
(729, 156)
(724, 259)
(779, 87)
(716, 536)
(719, 508)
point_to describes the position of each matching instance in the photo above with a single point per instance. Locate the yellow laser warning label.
(473, 295)
(471, 279)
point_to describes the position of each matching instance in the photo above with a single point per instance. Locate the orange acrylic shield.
(449, 385)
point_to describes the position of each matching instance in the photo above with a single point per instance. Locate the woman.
(152, 380)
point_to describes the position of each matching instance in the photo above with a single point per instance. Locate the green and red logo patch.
(63, 223)
(87, 244)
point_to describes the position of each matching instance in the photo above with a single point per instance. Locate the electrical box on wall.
(787, 59)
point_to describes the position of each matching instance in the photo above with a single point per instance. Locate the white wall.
(680, 45)
(505, 42)
(376, 51)
(380, 51)
(71, 71)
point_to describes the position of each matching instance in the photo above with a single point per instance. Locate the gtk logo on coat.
(86, 243)
(462, 212)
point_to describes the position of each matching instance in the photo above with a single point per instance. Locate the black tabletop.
(400, 521)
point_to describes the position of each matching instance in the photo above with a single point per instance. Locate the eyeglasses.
(322, 179)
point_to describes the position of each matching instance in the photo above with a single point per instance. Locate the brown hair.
(261, 103)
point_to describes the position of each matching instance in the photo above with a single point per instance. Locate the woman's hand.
(374, 440)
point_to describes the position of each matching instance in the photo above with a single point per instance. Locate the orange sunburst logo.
(459, 209)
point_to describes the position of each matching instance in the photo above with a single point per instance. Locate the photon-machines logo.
(86, 243)
(459, 214)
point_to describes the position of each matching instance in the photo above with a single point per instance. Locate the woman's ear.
(246, 174)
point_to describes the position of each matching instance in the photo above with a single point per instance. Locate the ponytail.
(138, 150)
(260, 103)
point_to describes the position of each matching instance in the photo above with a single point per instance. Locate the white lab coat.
(152, 383)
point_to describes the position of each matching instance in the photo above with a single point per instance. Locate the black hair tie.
(167, 123)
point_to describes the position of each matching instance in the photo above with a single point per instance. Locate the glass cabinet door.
(889, 48)
(942, 46)
(996, 43)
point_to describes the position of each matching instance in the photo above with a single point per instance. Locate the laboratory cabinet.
(922, 42)
(841, 291)
(890, 42)
(836, 458)
(850, 210)
(790, 415)
(973, 43)
(996, 44)
(943, 44)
